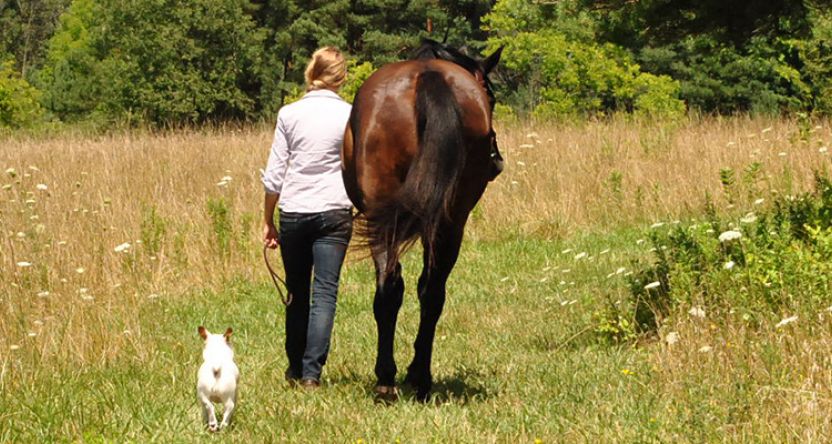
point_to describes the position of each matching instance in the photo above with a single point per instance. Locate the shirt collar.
(322, 93)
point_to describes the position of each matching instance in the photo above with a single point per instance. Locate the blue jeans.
(312, 241)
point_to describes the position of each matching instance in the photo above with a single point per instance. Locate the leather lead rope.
(278, 282)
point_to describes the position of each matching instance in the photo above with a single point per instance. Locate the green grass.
(501, 369)
(515, 361)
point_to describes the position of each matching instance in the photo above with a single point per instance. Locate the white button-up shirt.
(304, 165)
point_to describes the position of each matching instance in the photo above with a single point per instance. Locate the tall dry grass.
(564, 178)
(188, 204)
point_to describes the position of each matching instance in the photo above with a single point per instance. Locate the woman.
(303, 178)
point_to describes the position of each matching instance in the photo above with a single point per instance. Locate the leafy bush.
(780, 259)
(19, 105)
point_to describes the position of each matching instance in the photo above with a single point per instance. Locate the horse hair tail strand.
(424, 201)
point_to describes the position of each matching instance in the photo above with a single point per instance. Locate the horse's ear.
(228, 334)
(203, 332)
(491, 61)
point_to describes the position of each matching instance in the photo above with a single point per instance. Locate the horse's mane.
(431, 49)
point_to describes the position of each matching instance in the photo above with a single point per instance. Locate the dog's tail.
(217, 370)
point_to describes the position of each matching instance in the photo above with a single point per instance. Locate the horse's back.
(382, 137)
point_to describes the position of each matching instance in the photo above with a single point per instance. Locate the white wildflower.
(580, 255)
(80, 270)
(652, 285)
(24, 264)
(14, 347)
(604, 251)
(728, 265)
(729, 235)
(11, 172)
(505, 278)
(43, 294)
(20, 234)
(152, 296)
(823, 150)
(640, 241)
(657, 225)
(226, 179)
(532, 135)
(705, 349)
(620, 270)
(122, 247)
(671, 338)
(786, 321)
(41, 187)
(566, 251)
(748, 218)
(31, 334)
(697, 312)
(521, 163)
(782, 154)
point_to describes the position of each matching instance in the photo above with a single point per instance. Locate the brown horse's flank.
(416, 159)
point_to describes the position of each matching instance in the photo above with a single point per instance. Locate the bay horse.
(418, 152)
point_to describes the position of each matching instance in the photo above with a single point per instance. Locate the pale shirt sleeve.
(278, 160)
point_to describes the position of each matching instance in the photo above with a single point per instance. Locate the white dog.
(217, 378)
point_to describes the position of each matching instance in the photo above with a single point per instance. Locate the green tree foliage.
(375, 31)
(553, 68)
(19, 105)
(26, 26)
(728, 56)
(164, 62)
(155, 61)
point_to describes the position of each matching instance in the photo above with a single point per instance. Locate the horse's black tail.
(424, 200)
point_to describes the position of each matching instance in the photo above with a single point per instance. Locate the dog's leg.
(229, 409)
(208, 413)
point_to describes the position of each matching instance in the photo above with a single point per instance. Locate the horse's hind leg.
(386, 304)
(431, 301)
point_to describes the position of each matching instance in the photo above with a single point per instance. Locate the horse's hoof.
(422, 394)
(386, 394)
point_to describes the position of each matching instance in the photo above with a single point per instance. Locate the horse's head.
(431, 49)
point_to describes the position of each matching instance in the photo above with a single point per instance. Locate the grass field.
(115, 248)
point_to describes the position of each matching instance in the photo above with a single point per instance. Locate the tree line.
(175, 62)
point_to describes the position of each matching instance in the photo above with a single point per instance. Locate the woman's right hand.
(270, 237)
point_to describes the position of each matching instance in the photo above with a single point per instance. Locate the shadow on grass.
(455, 389)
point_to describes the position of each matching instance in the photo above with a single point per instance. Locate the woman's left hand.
(270, 237)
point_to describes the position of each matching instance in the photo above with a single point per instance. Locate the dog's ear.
(203, 333)
(228, 334)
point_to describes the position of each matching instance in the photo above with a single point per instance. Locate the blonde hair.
(327, 69)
